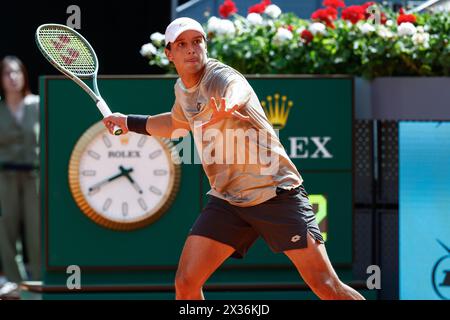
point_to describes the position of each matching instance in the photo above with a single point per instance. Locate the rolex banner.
(128, 202)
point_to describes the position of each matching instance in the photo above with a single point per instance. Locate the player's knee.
(185, 282)
(325, 286)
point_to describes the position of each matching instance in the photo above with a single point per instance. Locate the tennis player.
(262, 195)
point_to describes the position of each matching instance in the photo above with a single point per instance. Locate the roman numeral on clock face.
(107, 204)
(106, 141)
(142, 204)
(94, 155)
(155, 154)
(155, 190)
(125, 209)
(88, 173)
(142, 141)
(160, 172)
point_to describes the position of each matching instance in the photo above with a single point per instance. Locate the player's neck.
(191, 79)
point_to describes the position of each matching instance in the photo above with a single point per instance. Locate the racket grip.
(104, 109)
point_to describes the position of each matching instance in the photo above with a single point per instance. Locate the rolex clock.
(123, 182)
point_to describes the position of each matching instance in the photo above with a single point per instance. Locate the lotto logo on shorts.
(295, 238)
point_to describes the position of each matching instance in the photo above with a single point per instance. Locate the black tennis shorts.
(283, 222)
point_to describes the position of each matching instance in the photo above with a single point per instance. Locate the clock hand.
(126, 173)
(135, 185)
(101, 183)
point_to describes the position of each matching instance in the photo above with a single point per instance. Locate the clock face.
(123, 182)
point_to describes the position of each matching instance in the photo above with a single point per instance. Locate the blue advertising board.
(424, 204)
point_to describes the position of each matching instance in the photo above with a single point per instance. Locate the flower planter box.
(403, 98)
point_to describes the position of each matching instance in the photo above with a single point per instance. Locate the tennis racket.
(69, 52)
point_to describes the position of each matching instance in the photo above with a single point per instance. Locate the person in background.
(19, 202)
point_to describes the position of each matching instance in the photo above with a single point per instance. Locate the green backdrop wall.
(317, 135)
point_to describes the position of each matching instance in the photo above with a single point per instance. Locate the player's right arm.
(161, 125)
(167, 126)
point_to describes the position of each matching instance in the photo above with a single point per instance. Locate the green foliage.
(362, 49)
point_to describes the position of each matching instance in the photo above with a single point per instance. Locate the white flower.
(220, 26)
(212, 24)
(273, 11)
(384, 32)
(281, 36)
(317, 28)
(366, 28)
(268, 23)
(348, 23)
(300, 30)
(240, 27)
(157, 38)
(421, 38)
(420, 29)
(389, 23)
(227, 27)
(406, 29)
(148, 50)
(164, 61)
(255, 18)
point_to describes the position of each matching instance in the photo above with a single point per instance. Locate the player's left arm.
(235, 96)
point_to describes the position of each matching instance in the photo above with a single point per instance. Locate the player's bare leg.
(200, 258)
(316, 270)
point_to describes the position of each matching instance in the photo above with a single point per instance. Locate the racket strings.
(68, 51)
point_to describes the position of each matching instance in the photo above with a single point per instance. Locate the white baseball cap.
(180, 25)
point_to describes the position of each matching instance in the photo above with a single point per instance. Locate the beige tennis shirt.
(244, 160)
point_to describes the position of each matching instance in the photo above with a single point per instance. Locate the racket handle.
(104, 109)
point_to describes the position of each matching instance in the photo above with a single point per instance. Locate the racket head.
(67, 50)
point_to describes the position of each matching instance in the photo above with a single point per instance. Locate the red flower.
(307, 36)
(259, 7)
(290, 27)
(333, 3)
(406, 18)
(353, 14)
(326, 16)
(227, 8)
(383, 18)
(332, 12)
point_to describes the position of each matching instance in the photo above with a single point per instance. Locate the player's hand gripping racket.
(71, 54)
